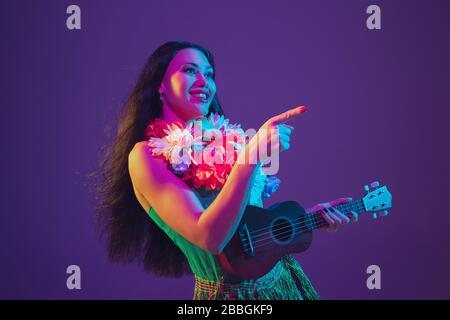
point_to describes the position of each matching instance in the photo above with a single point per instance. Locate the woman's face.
(188, 84)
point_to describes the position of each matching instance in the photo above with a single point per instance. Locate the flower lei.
(202, 160)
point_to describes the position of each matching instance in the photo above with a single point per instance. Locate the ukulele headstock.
(377, 200)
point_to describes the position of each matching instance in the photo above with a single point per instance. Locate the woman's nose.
(200, 79)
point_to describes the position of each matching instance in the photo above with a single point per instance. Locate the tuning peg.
(384, 213)
(375, 184)
(366, 188)
(374, 215)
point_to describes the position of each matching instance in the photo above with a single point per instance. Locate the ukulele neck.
(314, 220)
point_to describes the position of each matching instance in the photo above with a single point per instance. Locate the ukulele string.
(307, 219)
(351, 206)
(301, 229)
(314, 225)
(246, 245)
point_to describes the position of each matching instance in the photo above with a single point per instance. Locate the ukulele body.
(263, 237)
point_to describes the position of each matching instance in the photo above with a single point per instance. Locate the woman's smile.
(199, 95)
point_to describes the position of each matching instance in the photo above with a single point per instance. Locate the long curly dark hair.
(131, 233)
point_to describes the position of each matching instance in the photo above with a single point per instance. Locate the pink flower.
(202, 161)
(156, 128)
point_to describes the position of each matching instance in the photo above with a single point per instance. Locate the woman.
(150, 214)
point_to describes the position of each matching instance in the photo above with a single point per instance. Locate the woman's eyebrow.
(196, 65)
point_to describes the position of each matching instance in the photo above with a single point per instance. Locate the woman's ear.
(161, 92)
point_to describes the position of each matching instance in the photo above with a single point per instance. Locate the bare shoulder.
(157, 187)
(141, 144)
(145, 172)
(141, 155)
(139, 148)
(141, 152)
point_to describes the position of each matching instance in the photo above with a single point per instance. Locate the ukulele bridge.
(246, 240)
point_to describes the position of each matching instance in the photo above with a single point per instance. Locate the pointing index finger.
(288, 115)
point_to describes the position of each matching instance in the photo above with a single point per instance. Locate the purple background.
(379, 110)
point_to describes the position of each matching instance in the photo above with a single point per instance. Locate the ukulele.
(265, 235)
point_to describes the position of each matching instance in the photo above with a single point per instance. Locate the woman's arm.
(179, 207)
(222, 217)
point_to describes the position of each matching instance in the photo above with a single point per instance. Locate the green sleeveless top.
(203, 263)
(287, 279)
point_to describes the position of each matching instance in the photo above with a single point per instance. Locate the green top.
(289, 282)
(203, 263)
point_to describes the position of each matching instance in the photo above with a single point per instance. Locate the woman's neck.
(169, 115)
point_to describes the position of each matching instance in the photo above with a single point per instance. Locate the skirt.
(286, 281)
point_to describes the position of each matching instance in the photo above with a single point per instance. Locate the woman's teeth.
(200, 95)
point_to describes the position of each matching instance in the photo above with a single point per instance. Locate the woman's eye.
(190, 70)
(193, 71)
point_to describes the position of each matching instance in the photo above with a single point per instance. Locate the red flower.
(212, 176)
(156, 128)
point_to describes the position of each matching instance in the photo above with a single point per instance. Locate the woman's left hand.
(334, 217)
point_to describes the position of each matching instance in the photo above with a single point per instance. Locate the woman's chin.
(205, 111)
(198, 109)
(202, 108)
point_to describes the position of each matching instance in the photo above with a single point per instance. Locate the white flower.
(176, 146)
(216, 125)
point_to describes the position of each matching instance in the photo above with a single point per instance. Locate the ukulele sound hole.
(282, 230)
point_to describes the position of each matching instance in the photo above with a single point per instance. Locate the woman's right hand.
(277, 135)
